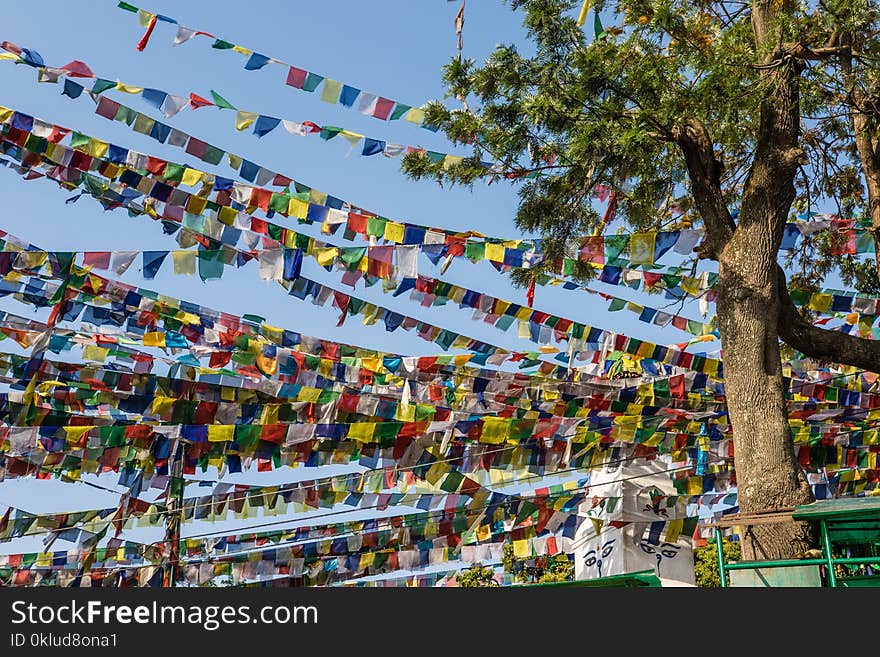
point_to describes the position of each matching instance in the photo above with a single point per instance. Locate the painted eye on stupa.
(669, 550)
(607, 548)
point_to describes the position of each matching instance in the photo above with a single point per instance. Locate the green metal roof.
(640, 578)
(839, 509)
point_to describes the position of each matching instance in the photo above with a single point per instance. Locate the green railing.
(827, 560)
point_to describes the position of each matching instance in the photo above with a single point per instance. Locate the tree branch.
(704, 172)
(821, 343)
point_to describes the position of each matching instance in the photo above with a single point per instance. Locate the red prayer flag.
(530, 293)
(341, 301)
(274, 433)
(78, 69)
(196, 101)
(107, 108)
(296, 77)
(260, 198)
(97, 259)
(219, 358)
(379, 261)
(156, 166)
(196, 147)
(383, 108)
(357, 223)
(146, 38)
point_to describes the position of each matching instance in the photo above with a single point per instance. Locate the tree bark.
(863, 119)
(767, 472)
(748, 304)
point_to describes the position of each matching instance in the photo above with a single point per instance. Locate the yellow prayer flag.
(74, 434)
(415, 115)
(370, 313)
(405, 413)
(143, 124)
(521, 549)
(98, 148)
(326, 256)
(244, 119)
(128, 88)
(361, 431)
(268, 365)
(495, 430)
(494, 252)
(394, 232)
(351, 137)
(308, 394)
(162, 406)
(297, 208)
(184, 262)
(93, 353)
(144, 17)
(192, 177)
(154, 339)
(372, 364)
(641, 248)
(331, 91)
(582, 16)
(227, 215)
(242, 50)
(524, 313)
(821, 302)
(270, 414)
(221, 433)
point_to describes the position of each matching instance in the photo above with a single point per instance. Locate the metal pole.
(719, 547)
(174, 500)
(826, 547)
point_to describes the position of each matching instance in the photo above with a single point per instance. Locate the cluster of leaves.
(706, 562)
(555, 568)
(591, 114)
(476, 576)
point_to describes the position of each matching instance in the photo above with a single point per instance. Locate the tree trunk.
(767, 471)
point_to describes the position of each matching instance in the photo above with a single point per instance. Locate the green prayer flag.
(616, 304)
(376, 226)
(312, 81)
(127, 7)
(399, 110)
(598, 30)
(210, 264)
(173, 172)
(213, 155)
(221, 102)
(78, 140)
(220, 44)
(475, 250)
(279, 202)
(329, 132)
(125, 115)
(452, 481)
(102, 85)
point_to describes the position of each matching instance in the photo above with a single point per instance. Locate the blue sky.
(394, 48)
